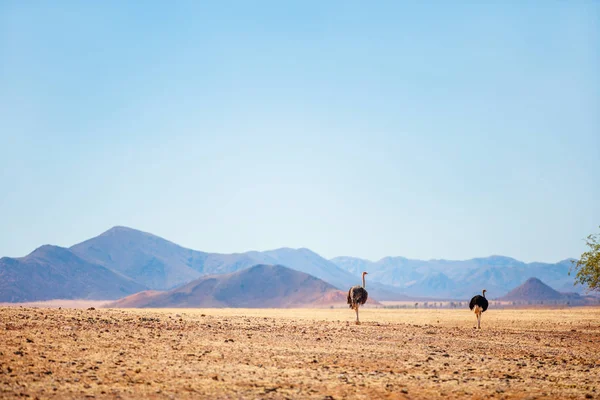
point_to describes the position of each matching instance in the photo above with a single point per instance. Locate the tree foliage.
(588, 265)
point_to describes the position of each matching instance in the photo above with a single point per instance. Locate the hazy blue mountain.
(313, 264)
(52, 272)
(309, 262)
(459, 279)
(156, 262)
(436, 282)
(161, 265)
(352, 264)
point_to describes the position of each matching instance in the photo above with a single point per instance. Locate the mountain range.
(260, 286)
(52, 272)
(123, 261)
(160, 264)
(452, 279)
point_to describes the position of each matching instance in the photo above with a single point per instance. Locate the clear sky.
(422, 129)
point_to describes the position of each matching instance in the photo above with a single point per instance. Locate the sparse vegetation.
(298, 353)
(588, 266)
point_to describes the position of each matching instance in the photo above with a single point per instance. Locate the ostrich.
(357, 296)
(479, 304)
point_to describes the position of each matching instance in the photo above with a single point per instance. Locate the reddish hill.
(261, 286)
(534, 290)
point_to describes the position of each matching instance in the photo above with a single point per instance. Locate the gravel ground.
(300, 353)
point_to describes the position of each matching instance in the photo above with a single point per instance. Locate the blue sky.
(421, 129)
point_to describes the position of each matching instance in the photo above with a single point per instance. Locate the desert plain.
(78, 353)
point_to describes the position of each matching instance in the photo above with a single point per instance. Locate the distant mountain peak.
(391, 258)
(290, 250)
(496, 258)
(567, 261)
(533, 289)
(349, 258)
(45, 247)
(49, 249)
(534, 281)
(53, 272)
(121, 232)
(261, 285)
(119, 229)
(287, 249)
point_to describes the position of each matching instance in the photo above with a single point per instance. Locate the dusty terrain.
(320, 354)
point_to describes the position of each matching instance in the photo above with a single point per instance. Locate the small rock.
(405, 391)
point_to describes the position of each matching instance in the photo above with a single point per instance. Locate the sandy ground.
(60, 303)
(305, 354)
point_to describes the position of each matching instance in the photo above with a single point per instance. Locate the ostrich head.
(484, 292)
(365, 273)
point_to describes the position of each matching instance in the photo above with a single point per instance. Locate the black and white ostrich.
(357, 296)
(479, 304)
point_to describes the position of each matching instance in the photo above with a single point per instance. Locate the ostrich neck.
(363, 281)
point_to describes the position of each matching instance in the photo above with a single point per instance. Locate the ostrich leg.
(357, 321)
(479, 320)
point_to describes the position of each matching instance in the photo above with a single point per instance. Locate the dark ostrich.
(357, 296)
(479, 304)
